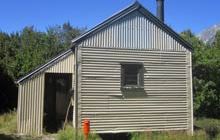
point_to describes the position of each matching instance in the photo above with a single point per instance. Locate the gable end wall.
(134, 31)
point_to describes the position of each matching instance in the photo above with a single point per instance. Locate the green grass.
(70, 134)
(8, 122)
(174, 135)
(210, 126)
(209, 130)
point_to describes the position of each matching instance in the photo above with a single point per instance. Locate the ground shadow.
(18, 137)
(8, 92)
(7, 137)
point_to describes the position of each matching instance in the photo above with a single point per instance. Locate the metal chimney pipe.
(160, 10)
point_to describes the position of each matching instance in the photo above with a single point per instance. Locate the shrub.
(8, 122)
(211, 126)
(217, 137)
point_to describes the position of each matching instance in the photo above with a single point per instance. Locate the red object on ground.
(86, 128)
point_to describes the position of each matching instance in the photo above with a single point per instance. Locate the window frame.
(140, 76)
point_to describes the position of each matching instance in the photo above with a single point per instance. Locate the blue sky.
(179, 14)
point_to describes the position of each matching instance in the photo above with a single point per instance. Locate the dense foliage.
(21, 52)
(206, 76)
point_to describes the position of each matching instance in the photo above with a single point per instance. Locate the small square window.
(132, 75)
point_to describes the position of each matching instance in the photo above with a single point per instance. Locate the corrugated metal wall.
(31, 97)
(30, 106)
(64, 66)
(133, 31)
(163, 106)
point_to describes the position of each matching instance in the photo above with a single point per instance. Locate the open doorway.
(57, 97)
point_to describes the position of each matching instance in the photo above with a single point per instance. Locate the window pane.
(131, 74)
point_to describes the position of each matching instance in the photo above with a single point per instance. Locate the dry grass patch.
(8, 122)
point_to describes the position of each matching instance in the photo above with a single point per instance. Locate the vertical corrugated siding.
(162, 106)
(30, 106)
(31, 97)
(133, 31)
(64, 66)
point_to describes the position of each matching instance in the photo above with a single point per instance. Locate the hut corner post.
(75, 111)
(190, 93)
(18, 109)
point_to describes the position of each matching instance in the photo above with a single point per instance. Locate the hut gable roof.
(135, 8)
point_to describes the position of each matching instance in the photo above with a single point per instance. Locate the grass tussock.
(209, 129)
(199, 135)
(210, 126)
(8, 122)
(69, 133)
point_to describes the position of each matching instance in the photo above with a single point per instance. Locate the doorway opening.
(57, 96)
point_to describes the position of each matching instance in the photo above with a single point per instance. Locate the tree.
(206, 66)
(216, 42)
(23, 51)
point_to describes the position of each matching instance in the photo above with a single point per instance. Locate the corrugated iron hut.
(130, 73)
